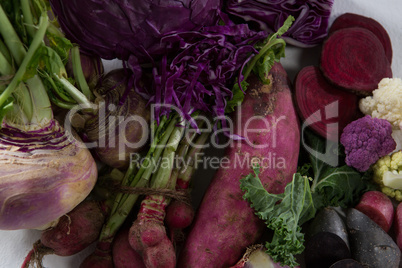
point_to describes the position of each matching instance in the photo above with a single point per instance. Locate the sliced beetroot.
(348, 20)
(322, 106)
(354, 58)
(378, 207)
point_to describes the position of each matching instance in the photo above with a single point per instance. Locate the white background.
(14, 245)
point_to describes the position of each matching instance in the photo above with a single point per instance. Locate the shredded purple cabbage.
(198, 77)
(311, 17)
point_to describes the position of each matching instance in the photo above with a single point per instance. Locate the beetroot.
(148, 235)
(179, 215)
(124, 256)
(348, 20)
(101, 257)
(354, 58)
(68, 238)
(324, 107)
(378, 207)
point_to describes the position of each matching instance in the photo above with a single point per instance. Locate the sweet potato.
(225, 224)
(378, 207)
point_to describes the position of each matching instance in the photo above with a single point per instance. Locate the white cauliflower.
(386, 102)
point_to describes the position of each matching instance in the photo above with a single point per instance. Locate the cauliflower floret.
(388, 174)
(386, 102)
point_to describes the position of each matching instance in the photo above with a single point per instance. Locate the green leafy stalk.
(28, 18)
(271, 50)
(5, 67)
(285, 213)
(79, 74)
(20, 75)
(11, 38)
(77, 95)
(126, 202)
(5, 52)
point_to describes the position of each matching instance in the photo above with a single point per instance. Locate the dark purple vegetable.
(347, 263)
(326, 240)
(369, 244)
(118, 29)
(311, 18)
(348, 20)
(354, 58)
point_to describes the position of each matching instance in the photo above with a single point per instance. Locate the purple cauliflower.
(366, 140)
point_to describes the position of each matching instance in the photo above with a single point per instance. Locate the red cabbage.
(117, 29)
(311, 17)
(198, 77)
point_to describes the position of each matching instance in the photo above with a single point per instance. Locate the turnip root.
(378, 207)
(225, 223)
(43, 176)
(124, 256)
(119, 126)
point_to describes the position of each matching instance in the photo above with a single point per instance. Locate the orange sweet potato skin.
(225, 224)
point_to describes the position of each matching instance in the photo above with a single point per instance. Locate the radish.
(179, 214)
(348, 20)
(398, 225)
(148, 233)
(326, 108)
(225, 224)
(124, 256)
(354, 59)
(101, 257)
(378, 207)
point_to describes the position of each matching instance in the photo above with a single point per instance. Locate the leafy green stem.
(36, 43)
(79, 74)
